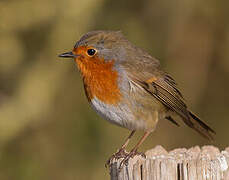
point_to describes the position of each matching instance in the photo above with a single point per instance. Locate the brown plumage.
(165, 90)
(126, 86)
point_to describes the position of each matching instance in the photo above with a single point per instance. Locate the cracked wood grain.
(206, 163)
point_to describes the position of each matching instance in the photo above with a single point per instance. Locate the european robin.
(126, 86)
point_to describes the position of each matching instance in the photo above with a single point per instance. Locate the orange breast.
(100, 79)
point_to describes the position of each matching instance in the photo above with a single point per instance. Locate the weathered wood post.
(207, 163)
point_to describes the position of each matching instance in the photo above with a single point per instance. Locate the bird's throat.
(100, 79)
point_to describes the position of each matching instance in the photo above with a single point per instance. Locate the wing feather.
(164, 89)
(169, 96)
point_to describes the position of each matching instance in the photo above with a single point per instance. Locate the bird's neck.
(100, 80)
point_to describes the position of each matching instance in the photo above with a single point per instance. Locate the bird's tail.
(202, 128)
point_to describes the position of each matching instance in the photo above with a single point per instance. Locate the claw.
(121, 153)
(128, 156)
(141, 154)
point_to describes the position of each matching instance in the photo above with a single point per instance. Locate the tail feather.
(172, 120)
(202, 128)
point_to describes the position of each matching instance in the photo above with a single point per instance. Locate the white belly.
(118, 114)
(115, 114)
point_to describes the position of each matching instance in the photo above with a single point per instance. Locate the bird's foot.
(121, 153)
(131, 154)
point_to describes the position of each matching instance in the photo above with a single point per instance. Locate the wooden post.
(207, 163)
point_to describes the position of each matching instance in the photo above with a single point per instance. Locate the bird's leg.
(133, 152)
(127, 141)
(121, 152)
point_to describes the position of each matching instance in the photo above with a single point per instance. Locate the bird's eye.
(91, 52)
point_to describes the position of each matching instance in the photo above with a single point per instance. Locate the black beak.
(68, 55)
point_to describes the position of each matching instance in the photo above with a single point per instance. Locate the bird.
(127, 86)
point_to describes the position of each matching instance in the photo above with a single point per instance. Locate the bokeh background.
(48, 130)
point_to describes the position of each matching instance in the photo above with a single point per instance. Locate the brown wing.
(164, 89)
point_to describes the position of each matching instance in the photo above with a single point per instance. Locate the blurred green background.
(47, 128)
